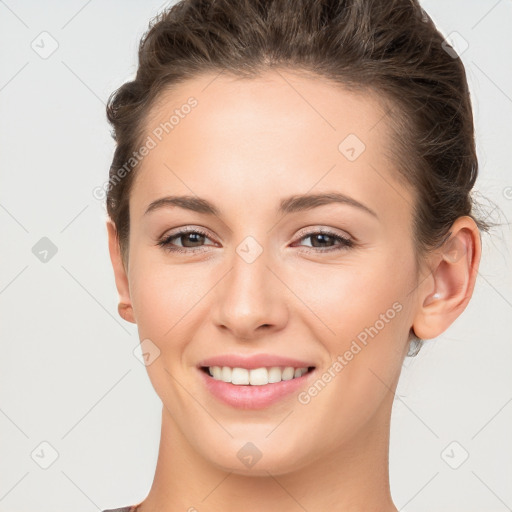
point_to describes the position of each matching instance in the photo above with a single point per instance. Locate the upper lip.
(254, 361)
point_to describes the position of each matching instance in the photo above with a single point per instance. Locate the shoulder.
(122, 509)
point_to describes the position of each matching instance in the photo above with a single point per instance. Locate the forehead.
(279, 133)
(275, 102)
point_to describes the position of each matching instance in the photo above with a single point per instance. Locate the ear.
(125, 304)
(446, 292)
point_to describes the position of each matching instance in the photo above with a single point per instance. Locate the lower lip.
(252, 397)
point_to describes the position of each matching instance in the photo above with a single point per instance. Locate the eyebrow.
(292, 204)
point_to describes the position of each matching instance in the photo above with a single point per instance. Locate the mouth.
(254, 388)
(263, 376)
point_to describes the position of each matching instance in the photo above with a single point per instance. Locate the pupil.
(320, 237)
(198, 237)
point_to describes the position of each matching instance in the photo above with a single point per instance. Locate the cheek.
(357, 296)
(367, 312)
(168, 299)
(160, 299)
(165, 299)
(365, 315)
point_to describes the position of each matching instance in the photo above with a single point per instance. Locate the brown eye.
(326, 241)
(321, 239)
(192, 240)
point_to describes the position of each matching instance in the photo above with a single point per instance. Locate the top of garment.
(131, 508)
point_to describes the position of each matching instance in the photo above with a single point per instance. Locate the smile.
(255, 376)
(254, 382)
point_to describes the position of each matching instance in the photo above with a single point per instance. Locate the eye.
(191, 241)
(327, 241)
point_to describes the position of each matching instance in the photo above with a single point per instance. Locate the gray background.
(69, 376)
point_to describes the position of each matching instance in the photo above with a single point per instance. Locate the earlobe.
(455, 267)
(124, 308)
(125, 311)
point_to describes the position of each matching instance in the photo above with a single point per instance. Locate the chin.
(245, 458)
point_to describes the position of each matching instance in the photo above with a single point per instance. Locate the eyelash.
(344, 243)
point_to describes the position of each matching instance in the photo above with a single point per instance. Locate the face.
(294, 249)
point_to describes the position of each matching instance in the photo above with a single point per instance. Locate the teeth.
(256, 376)
(274, 375)
(288, 373)
(226, 374)
(239, 376)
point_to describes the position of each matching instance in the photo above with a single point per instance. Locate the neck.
(351, 478)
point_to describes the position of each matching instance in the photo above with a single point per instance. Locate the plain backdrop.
(79, 419)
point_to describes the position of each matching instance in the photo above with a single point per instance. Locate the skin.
(247, 145)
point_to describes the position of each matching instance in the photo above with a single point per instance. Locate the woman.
(290, 215)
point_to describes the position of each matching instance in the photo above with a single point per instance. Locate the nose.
(250, 302)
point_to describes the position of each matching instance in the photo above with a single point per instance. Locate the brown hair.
(388, 47)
